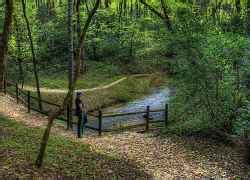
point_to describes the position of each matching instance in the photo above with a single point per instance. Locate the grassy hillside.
(97, 74)
(65, 158)
(130, 88)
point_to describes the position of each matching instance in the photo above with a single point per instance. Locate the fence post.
(166, 115)
(100, 123)
(147, 117)
(29, 105)
(4, 86)
(17, 94)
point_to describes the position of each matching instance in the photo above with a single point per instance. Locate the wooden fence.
(145, 114)
(30, 101)
(26, 98)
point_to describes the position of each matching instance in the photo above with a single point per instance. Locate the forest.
(190, 57)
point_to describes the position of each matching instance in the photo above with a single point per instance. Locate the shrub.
(209, 73)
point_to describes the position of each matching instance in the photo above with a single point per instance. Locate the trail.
(47, 90)
(163, 158)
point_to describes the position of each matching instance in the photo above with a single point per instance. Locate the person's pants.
(85, 118)
(81, 123)
(79, 127)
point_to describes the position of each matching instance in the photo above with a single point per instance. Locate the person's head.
(78, 94)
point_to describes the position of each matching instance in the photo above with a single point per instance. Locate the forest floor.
(158, 157)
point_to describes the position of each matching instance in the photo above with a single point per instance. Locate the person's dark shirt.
(79, 104)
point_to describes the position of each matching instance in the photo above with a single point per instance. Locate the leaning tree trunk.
(4, 37)
(34, 61)
(51, 118)
(164, 17)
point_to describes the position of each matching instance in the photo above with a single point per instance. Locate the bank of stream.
(156, 100)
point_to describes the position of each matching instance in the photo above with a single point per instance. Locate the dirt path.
(46, 90)
(163, 158)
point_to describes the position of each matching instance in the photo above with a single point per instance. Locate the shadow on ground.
(65, 158)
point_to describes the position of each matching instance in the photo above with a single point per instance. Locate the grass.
(98, 74)
(84, 82)
(127, 90)
(65, 158)
(187, 127)
(133, 88)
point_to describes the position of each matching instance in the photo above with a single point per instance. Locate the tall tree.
(71, 57)
(78, 30)
(4, 38)
(34, 61)
(78, 52)
(19, 59)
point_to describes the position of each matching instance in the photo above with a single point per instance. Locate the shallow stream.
(156, 100)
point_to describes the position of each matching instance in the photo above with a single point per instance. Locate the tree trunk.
(71, 58)
(78, 30)
(238, 7)
(19, 59)
(94, 52)
(131, 47)
(51, 118)
(4, 38)
(107, 3)
(34, 61)
(164, 17)
(248, 18)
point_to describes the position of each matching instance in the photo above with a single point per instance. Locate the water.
(156, 100)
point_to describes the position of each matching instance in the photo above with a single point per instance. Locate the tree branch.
(151, 8)
(165, 11)
(164, 17)
(51, 118)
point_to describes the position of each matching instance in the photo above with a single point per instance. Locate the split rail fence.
(98, 121)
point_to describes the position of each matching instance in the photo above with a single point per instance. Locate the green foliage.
(98, 74)
(206, 51)
(62, 153)
(124, 33)
(124, 91)
(65, 157)
(208, 74)
(131, 89)
(188, 127)
(242, 123)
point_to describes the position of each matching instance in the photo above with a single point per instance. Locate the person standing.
(81, 113)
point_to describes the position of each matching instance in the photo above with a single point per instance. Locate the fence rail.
(31, 102)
